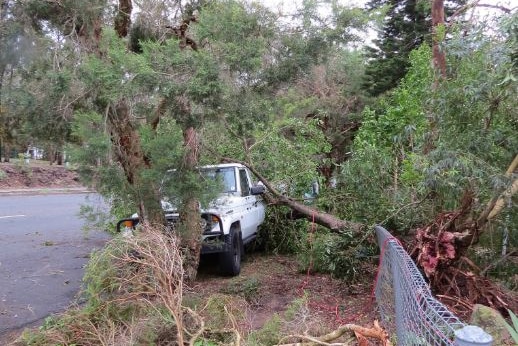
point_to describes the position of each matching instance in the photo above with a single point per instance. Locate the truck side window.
(245, 187)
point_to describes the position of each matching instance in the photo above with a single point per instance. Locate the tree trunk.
(123, 18)
(128, 151)
(59, 157)
(439, 57)
(52, 154)
(7, 152)
(191, 230)
(327, 220)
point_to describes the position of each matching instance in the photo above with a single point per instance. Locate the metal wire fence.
(405, 301)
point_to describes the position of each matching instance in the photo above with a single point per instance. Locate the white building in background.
(34, 152)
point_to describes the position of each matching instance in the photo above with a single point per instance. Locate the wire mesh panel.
(405, 301)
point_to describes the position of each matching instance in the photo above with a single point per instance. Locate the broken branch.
(497, 203)
(375, 332)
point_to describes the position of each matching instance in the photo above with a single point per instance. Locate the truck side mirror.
(257, 189)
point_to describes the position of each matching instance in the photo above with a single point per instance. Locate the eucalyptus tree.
(407, 25)
(304, 68)
(470, 115)
(50, 81)
(15, 55)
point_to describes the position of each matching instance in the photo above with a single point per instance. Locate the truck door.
(249, 218)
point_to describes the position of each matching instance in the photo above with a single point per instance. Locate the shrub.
(344, 256)
(132, 294)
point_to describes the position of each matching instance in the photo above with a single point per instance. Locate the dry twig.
(375, 332)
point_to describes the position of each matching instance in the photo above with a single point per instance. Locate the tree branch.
(476, 4)
(489, 212)
(500, 260)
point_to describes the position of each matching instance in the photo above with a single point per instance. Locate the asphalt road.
(43, 250)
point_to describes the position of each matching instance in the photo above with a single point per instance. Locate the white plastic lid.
(473, 334)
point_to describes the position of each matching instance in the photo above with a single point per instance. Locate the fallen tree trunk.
(326, 220)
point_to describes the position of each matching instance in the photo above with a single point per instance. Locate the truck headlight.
(210, 222)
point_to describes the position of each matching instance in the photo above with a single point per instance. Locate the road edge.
(44, 191)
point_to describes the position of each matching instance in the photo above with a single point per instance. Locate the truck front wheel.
(231, 259)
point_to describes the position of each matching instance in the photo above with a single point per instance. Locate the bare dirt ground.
(37, 174)
(272, 283)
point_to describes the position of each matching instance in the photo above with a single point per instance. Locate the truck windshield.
(224, 176)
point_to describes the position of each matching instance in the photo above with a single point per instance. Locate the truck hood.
(223, 201)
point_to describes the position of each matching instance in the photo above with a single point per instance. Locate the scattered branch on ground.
(157, 272)
(360, 332)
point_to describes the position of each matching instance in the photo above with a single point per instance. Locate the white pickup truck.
(230, 221)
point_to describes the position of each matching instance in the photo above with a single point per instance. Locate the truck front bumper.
(213, 240)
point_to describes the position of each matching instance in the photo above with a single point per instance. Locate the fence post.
(472, 336)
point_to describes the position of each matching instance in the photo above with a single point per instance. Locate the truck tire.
(231, 259)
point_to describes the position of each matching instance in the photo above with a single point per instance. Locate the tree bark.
(123, 18)
(439, 57)
(128, 152)
(52, 154)
(497, 203)
(127, 144)
(59, 157)
(7, 152)
(191, 230)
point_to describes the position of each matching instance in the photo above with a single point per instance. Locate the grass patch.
(247, 288)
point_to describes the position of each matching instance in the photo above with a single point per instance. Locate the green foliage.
(238, 34)
(246, 288)
(15, 105)
(96, 217)
(345, 256)
(274, 329)
(364, 187)
(513, 330)
(100, 279)
(401, 120)
(23, 166)
(269, 334)
(88, 128)
(284, 151)
(204, 343)
(294, 309)
(280, 235)
(111, 310)
(406, 26)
